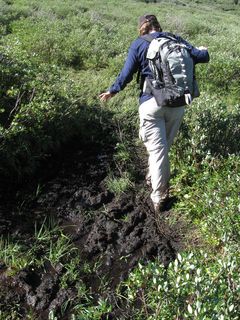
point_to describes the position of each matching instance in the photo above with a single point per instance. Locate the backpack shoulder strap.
(169, 35)
(149, 39)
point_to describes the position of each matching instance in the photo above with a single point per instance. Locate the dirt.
(112, 232)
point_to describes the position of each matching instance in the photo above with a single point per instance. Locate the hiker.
(158, 124)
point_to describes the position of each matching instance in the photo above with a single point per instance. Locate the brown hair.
(150, 23)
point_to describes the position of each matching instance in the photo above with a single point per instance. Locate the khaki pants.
(158, 128)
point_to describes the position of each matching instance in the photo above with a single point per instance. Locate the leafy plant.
(192, 287)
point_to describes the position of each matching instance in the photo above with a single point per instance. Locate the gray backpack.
(173, 82)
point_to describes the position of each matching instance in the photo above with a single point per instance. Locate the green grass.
(56, 57)
(49, 239)
(53, 53)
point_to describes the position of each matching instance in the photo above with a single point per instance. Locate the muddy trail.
(112, 233)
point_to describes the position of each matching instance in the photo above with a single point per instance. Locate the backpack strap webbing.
(149, 39)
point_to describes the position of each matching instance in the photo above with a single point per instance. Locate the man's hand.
(106, 96)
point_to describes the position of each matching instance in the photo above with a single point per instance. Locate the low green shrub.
(210, 199)
(194, 286)
(210, 130)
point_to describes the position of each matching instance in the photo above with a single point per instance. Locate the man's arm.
(199, 54)
(127, 72)
(124, 77)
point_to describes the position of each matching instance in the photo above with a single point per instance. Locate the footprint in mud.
(125, 232)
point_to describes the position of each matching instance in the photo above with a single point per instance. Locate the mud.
(112, 232)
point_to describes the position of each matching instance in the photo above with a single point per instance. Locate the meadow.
(56, 57)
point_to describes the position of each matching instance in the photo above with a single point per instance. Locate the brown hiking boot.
(161, 205)
(158, 207)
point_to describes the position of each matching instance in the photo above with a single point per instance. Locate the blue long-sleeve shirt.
(136, 60)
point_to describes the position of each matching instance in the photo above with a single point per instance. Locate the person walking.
(158, 124)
